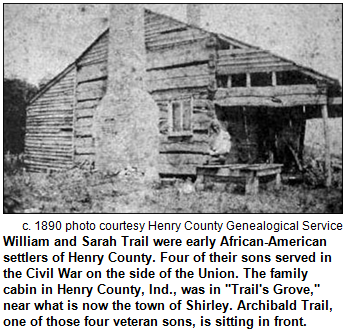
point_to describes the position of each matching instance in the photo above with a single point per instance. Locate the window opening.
(238, 80)
(181, 117)
(293, 78)
(261, 79)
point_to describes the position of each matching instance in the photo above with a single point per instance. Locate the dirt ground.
(79, 191)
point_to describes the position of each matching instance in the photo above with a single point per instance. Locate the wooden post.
(328, 171)
(229, 82)
(251, 183)
(274, 79)
(248, 80)
(278, 181)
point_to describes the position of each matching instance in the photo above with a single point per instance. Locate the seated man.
(220, 143)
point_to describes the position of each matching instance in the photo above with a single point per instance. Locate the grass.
(79, 191)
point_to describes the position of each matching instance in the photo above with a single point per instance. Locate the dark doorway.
(264, 134)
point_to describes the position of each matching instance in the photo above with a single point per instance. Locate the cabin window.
(222, 81)
(180, 117)
(238, 80)
(261, 79)
(293, 78)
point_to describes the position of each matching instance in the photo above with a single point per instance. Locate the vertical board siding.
(49, 127)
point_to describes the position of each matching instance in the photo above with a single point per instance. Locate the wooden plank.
(62, 119)
(92, 72)
(91, 90)
(175, 37)
(191, 71)
(98, 51)
(39, 167)
(276, 102)
(54, 100)
(268, 91)
(62, 92)
(101, 57)
(85, 113)
(177, 56)
(46, 149)
(328, 170)
(262, 55)
(47, 110)
(51, 154)
(178, 83)
(84, 122)
(51, 116)
(84, 142)
(88, 104)
(95, 61)
(48, 146)
(49, 141)
(257, 63)
(227, 70)
(52, 122)
(335, 101)
(62, 136)
(48, 163)
(178, 94)
(84, 150)
(243, 51)
(48, 127)
(54, 154)
(83, 131)
(171, 44)
(59, 86)
(89, 86)
(55, 106)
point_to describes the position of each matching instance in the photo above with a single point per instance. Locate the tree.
(17, 94)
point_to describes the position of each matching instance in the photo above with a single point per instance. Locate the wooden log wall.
(180, 67)
(49, 126)
(250, 60)
(271, 96)
(180, 155)
(90, 89)
(181, 64)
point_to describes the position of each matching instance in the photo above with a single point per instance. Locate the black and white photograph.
(172, 109)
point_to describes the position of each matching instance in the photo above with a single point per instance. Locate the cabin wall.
(181, 67)
(49, 126)
(184, 63)
(250, 60)
(90, 89)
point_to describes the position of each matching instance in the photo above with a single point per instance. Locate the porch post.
(328, 171)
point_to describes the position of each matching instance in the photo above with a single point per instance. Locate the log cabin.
(194, 76)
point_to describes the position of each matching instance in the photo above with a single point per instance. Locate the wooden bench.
(250, 174)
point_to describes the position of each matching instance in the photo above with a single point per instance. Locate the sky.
(40, 40)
